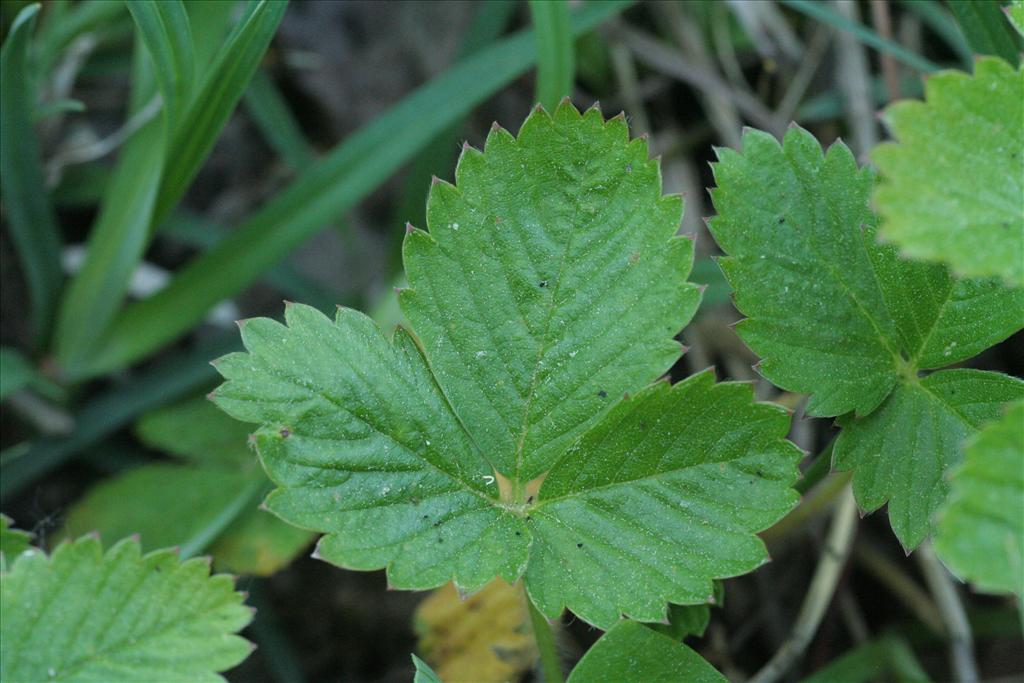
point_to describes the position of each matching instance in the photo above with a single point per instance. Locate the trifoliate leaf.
(13, 542)
(831, 312)
(82, 615)
(952, 187)
(549, 285)
(836, 315)
(632, 652)
(208, 505)
(483, 638)
(904, 450)
(980, 532)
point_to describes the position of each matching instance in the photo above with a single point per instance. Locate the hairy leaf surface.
(633, 652)
(837, 315)
(86, 615)
(981, 529)
(833, 313)
(493, 442)
(549, 284)
(667, 492)
(952, 185)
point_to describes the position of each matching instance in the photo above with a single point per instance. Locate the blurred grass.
(342, 178)
(986, 28)
(556, 67)
(30, 216)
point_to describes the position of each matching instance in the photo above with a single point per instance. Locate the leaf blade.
(177, 625)
(627, 522)
(32, 220)
(525, 341)
(963, 208)
(979, 529)
(614, 657)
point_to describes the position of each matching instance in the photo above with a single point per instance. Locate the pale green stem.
(545, 638)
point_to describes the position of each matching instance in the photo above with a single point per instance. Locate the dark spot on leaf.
(579, 545)
(603, 393)
(529, 499)
(426, 516)
(519, 533)
(629, 168)
(542, 283)
(782, 219)
(285, 432)
(528, 518)
(437, 523)
(440, 540)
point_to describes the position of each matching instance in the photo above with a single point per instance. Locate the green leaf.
(427, 460)
(224, 83)
(86, 615)
(540, 306)
(119, 235)
(424, 674)
(903, 451)
(165, 31)
(30, 216)
(985, 28)
(13, 542)
(15, 371)
(556, 67)
(980, 530)
(632, 652)
(340, 180)
(871, 662)
(838, 316)
(663, 495)
(209, 504)
(1015, 13)
(197, 432)
(178, 375)
(689, 620)
(832, 313)
(269, 110)
(822, 12)
(952, 183)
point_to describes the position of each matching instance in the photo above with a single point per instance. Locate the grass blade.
(165, 31)
(222, 88)
(272, 116)
(438, 158)
(824, 14)
(32, 220)
(556, 67)
(935, 16)
(333, 186)
(119, 236)
(202, 234)
(178, 376)
(986, 28)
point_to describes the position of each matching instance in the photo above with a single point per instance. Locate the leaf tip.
(409, 227)
(621, 116)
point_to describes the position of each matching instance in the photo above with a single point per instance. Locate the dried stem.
(958, 629)
(823, 586)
